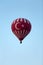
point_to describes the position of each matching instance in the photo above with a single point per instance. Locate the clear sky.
(30, 52)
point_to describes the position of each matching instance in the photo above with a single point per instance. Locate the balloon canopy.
(21, 27)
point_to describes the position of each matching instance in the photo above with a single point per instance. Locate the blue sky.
(30, 52)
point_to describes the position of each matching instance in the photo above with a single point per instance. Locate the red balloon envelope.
(21, 28)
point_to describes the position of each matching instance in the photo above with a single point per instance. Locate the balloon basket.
(20, 42)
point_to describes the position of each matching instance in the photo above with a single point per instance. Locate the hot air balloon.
(21, 27)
